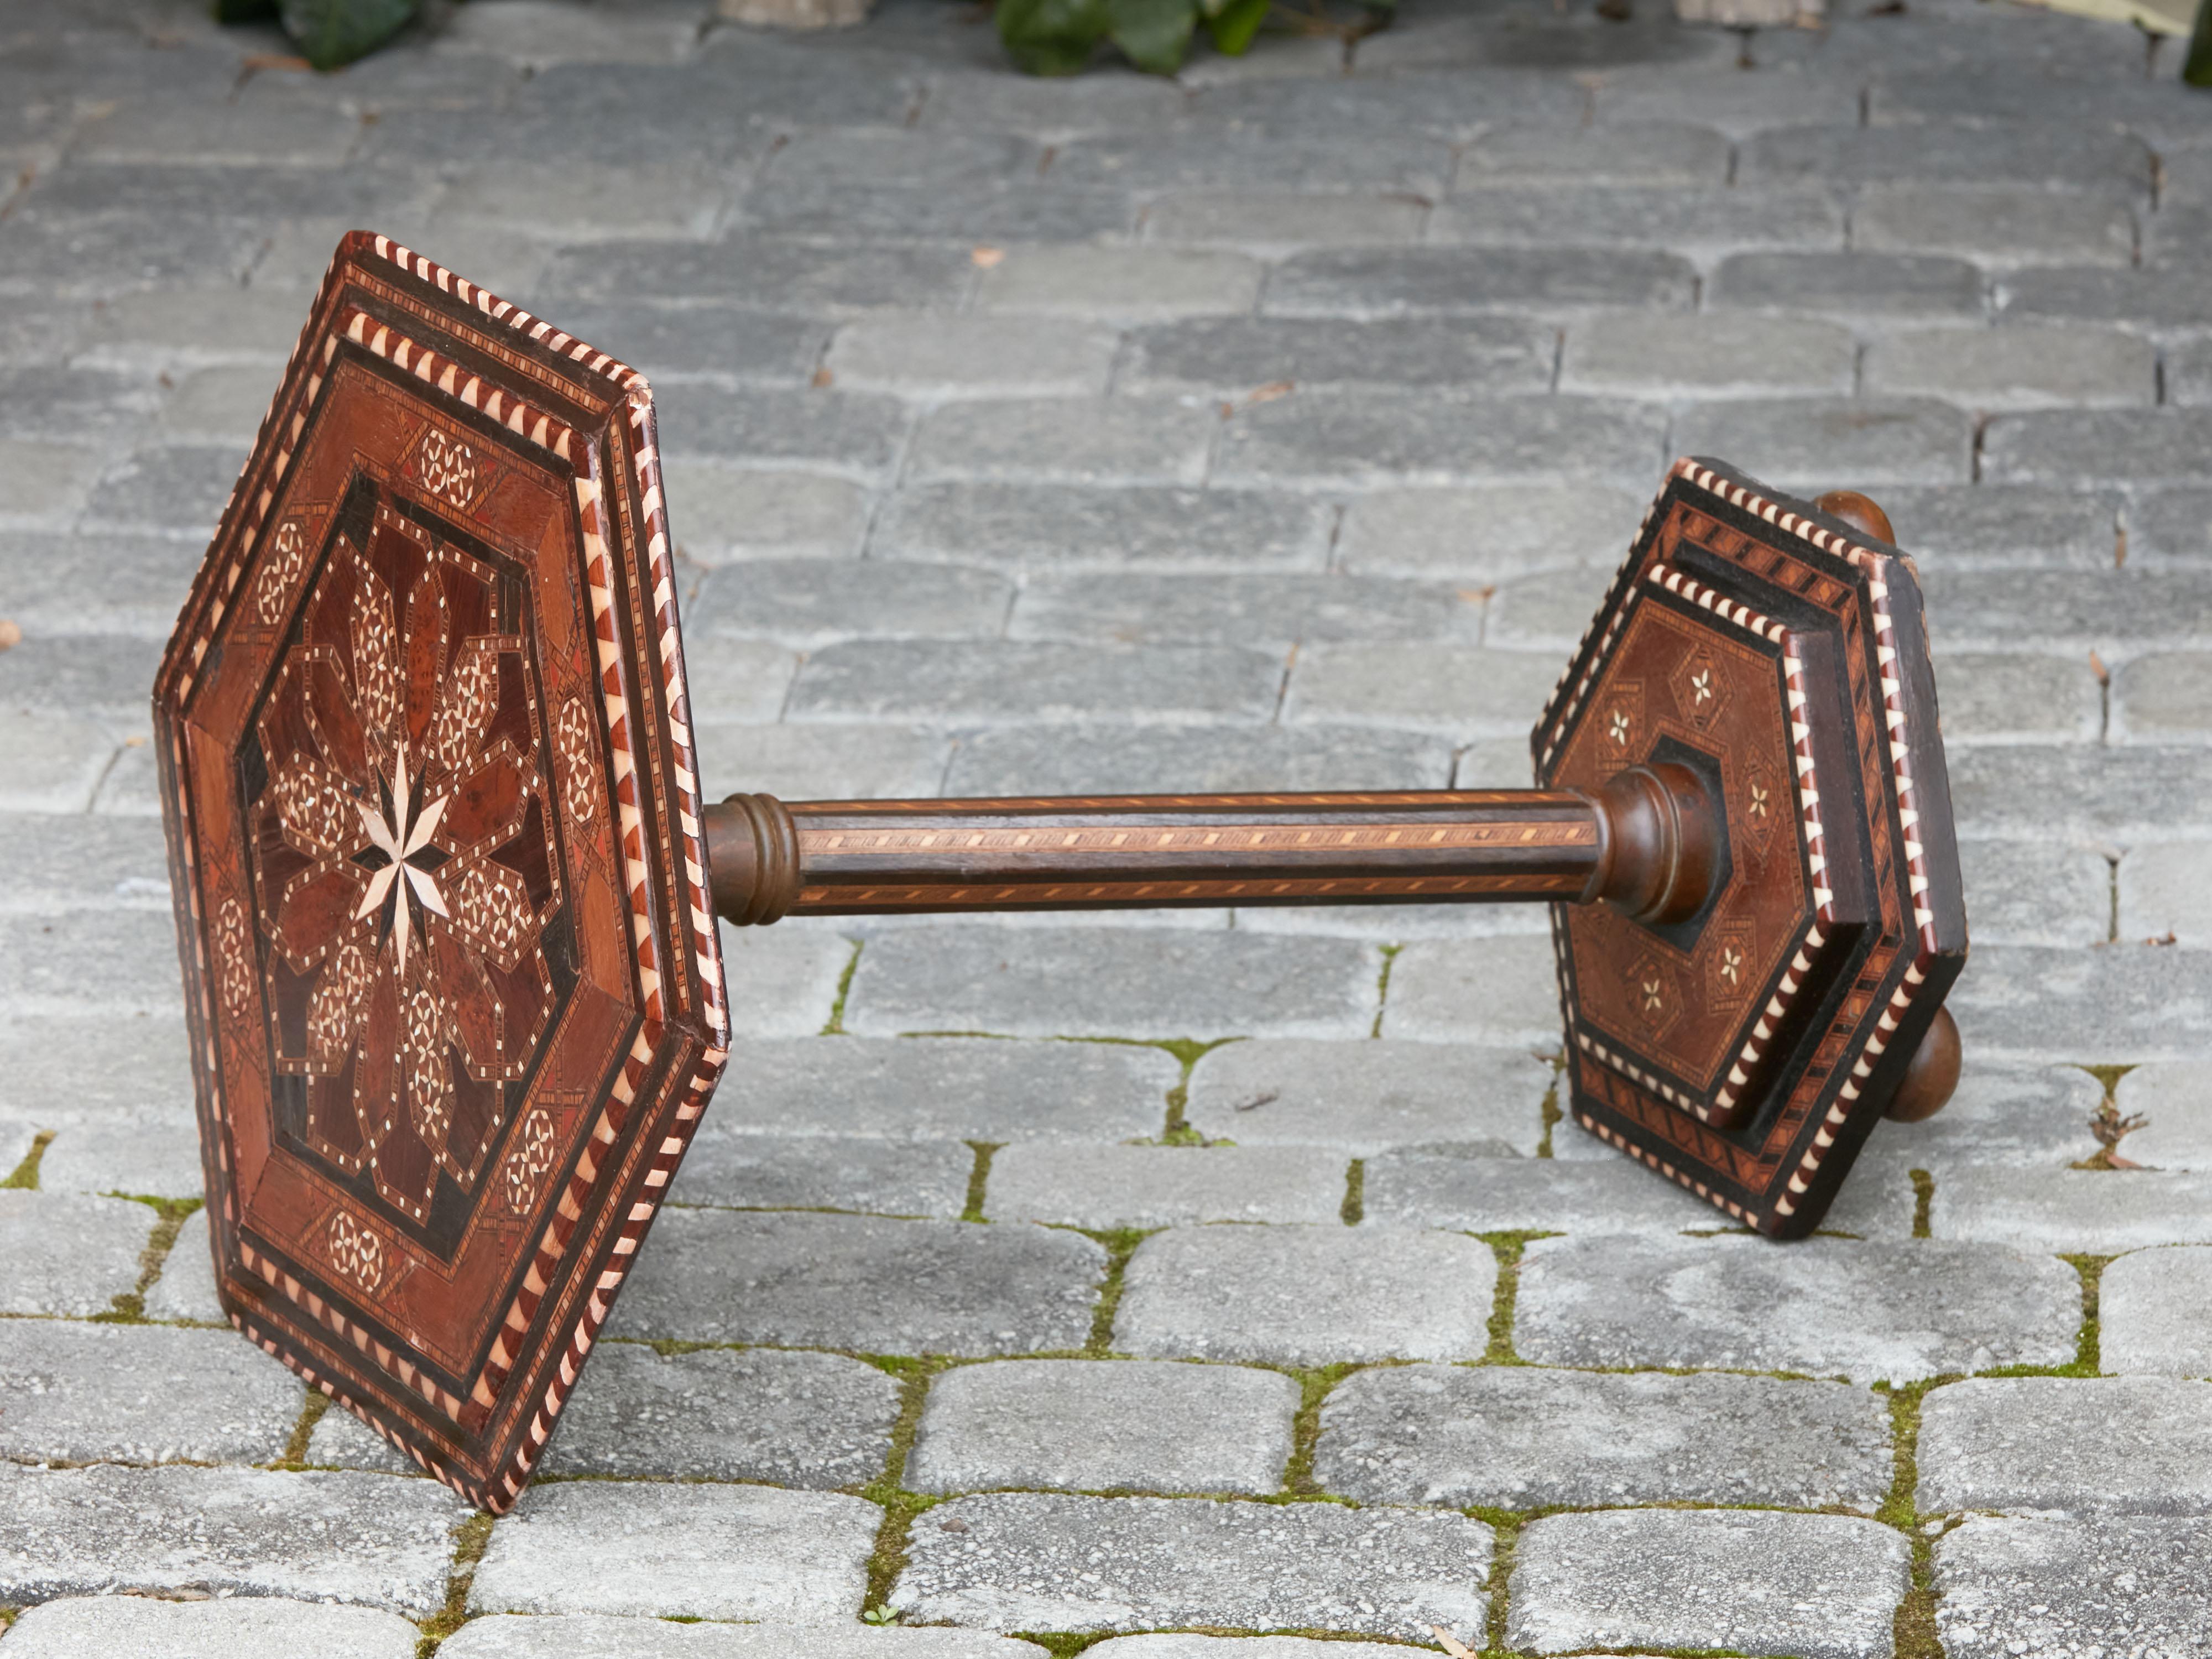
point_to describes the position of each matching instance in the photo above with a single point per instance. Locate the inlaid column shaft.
(1645, 842)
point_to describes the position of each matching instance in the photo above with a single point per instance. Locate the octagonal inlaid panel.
(1746, 1051)
(454, 987)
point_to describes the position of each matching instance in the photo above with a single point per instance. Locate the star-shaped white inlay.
(399, 840)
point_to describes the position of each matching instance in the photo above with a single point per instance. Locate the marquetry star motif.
(1759, 800)
(402, 833)
(1702, 683)
(1731, 963)
(1618, 726)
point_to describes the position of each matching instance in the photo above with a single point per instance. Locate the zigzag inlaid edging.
(423, 269)
(243, 524)
(1873, 567)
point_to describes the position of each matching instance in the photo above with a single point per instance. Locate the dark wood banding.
(1644, 842)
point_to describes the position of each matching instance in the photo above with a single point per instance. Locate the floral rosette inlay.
(405, 863)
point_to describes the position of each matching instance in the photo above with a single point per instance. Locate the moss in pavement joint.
(2109, 1076)
(129, 1307)
(1121, 1245)
(1383, 987)
(900, 1506)
(311, 1412)
(1506, 1531)
(173, 1213)
(2088, 1346)
(1314, 1386)
(1913, 1631)
(25, 1175)
(1924, 1197)
(834, 1026)
(978, 1177)
(469, 1540)
(1355, 1193)
(1065, 1644)
(1552, 1116)
(1507, 1247)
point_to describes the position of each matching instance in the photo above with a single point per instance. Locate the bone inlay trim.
(815, 845)
(1002, 895)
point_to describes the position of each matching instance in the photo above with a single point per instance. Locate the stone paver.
(939, 1089)
(1439, 687)
(2099, 1212)
(185, 1289)
(861, 1282)
(1230, 357)
(2020, 525)
(1074, 525)
(1022, 681)
(1486, 533)
(795, 1420)
(1093, 981)
(1720, 356)
(1520, 1438)
(2139, 1445)
(954, 357)
(2155, 1313)
(1819, 1586)
(2002, 1113)
(1107, 760)
(77, 1393)
(1359, 438)
(1109, 1187)
(1183, 1646)
(1030, 1561)
(65, 1254)
(1419, 1188)
(107, 862)
(119, 963)
(603, 1635)
(1502, 991)
(1257, 609)
(1830, 1306)
(2177, 1106)
(1363, 1098)
(2159, 700)
(246, 1627)
(811, 602)
(2008, 225)
(2024, 367)
(782, 984)
(1089, 1425)
(2126, 1584)
(355, 1538)
(833, 1172)
(1306, 1296)
(2137, 1000)
(2161, 897)
(1801, 441)
(708, 1552)
(340, 1440)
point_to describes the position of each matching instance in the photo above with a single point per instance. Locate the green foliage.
(1061, 36)
(330, 34)
(2196, 68)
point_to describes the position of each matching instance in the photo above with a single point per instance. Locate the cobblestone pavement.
(1276, 427)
